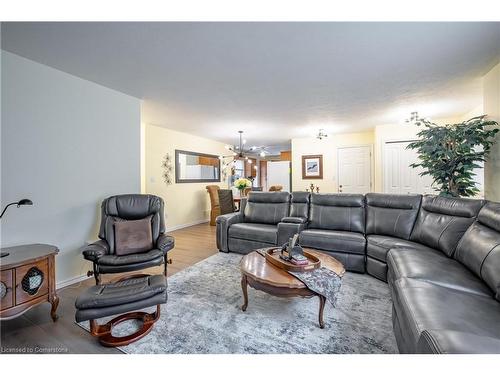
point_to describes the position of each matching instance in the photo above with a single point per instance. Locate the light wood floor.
(35, 332)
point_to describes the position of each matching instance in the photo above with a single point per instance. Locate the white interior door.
(354, 170)
(399, 177)
(278, 173)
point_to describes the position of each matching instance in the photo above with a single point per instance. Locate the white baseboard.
(176, 227)
(77, 279)
(73, 280)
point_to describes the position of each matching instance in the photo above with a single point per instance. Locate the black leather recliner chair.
(129, 207)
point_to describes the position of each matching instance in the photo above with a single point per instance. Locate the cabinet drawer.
(32, 281)
(6, 278)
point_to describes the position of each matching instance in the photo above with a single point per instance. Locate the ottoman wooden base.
(123, 299)
(106, 338)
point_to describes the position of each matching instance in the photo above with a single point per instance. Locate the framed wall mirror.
(196, 167)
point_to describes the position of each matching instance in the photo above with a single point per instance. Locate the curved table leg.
(244, 285)
(54, 302)
(322, 301)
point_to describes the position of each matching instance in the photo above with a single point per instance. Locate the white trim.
(181, 226)
(73, 280)
(372, 163)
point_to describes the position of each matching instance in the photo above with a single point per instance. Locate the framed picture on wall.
(312, 166)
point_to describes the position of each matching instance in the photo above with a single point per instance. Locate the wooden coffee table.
(261, 275)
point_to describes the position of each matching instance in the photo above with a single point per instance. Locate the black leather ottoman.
(128, 294)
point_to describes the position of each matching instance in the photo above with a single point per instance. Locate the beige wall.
(404, 132)
(187, 203)
(491, 103)
(478, 111)
(328, 148)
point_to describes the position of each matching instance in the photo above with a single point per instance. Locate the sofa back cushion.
(300, 204)
(337, 212)
(442, 221)
(479, 249)
(391, 215)
(267, 208)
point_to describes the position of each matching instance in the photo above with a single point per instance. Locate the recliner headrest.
(300, 197)
(269, 197)
(132, 206)
(393, 201)
(452, 206)
(490, 215)
(339, 200)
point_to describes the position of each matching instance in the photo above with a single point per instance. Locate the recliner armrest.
(288, 230)
(294, 220)
(165, 243)
(95, 250)
(223, 222)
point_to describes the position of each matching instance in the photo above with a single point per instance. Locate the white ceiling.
(275, 81)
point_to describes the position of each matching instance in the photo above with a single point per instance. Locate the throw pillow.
(133, 236)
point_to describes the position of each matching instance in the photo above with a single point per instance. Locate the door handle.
(340, 188)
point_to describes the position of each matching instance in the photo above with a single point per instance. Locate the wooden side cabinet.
(27, 278)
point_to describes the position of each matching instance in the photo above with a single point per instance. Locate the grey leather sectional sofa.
(440, 256)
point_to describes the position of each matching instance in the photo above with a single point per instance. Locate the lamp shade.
(25, 202)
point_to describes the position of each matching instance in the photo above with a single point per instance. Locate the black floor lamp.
(22, 202)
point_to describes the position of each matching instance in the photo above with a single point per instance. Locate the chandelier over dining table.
(240, 152)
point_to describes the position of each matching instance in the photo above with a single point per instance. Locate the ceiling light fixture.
(239, 151)
(321, 134)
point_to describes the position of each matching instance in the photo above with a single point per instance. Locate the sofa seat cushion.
(378, 246)
(433, 266)
(120, 260)
(420, 305)
(333, 240)
(256, 232)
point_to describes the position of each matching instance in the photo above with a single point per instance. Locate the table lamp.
(22, 202)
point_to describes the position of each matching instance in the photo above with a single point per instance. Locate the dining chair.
(226, 202)
(214, 202)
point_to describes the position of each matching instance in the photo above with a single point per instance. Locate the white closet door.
(399, 177)
(354, 169)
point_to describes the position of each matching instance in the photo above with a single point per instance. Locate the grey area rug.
(203, 315)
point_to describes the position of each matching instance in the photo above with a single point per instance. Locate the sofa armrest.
(288, 230)
(95, 250)
(223, 222)
(294, 220)
(165, 243)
